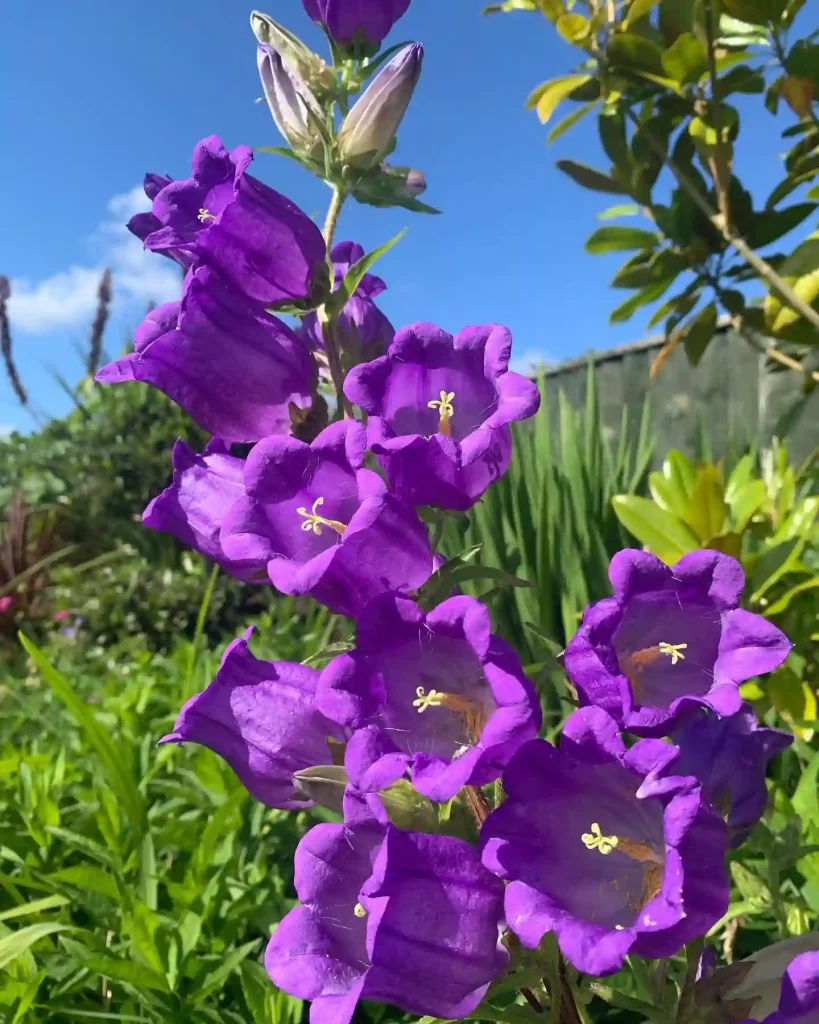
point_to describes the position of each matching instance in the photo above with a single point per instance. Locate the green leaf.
(87, 876)
(352, 279)
(34, 907)
(548, 96)
(574, 28)
(755, 12)
(624, 210)
(660, 531)
(569, 121)
(638, 9)
(745, 501)
(645, 296)
(782, 604)
(632, 51)
(228, 965)
(707, 509)
(686, 59)
(794, 700)
(773, 564)
(699, 332)
(750, 884)
(115, 766)
(589, 178)
(129, 971)
(611, 127)
(770, 225)
(618, 239)
(14, 945)
(805, 800)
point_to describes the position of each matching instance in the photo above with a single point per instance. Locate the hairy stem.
(333, 212)
(761, 266)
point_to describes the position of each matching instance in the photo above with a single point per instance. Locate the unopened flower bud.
(291, 103)
(368, 130)
(409, 182)
(307, 65)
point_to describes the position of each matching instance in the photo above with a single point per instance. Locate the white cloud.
(69, 297)
(6, 429)
(529, 361)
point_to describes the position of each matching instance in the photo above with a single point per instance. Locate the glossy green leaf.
(782, 605)
(660, 531)
(756, 12)
(549, 95)
(574, 28)
(699, 333)
(17, 943)
(773, 563)
(618, 239)
(638, 9)
(646, 295)
(745, 501)
(590, 178)
(569, 121)
(771, 225)
(352, 279)
(611, 127)
(707, 509)
(34, 907)
(623, 210)
(686, 59)
(794, 700)
(633, 51)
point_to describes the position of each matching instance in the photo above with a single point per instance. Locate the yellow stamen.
(673, 651)
(359, 911)
(433, 699)
(473, 713)
(595, 840)
(446, 411)
(313, 521)
(204, 215)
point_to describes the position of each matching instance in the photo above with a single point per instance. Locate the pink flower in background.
(6, 603)
(62, 615)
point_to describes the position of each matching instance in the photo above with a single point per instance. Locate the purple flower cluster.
(617, 845)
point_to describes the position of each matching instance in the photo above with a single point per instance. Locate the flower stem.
(693, 952)
(328, 327)
(332, 215)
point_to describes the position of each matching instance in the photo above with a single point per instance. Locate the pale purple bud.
(368, 130)
(293, 107)
(305, 64)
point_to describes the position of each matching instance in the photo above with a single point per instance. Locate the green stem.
(693, 952)
(333, 212)
(624, 1002)
(331, 346)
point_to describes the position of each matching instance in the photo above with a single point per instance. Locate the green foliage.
(137, 883)
(660, 75)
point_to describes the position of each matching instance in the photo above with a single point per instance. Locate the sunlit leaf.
(617, 239)
(659, 531)
(547, 97)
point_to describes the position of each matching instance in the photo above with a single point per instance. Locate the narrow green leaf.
(624, 210)
(686, 59)
(87, 876)
(660, 531)
(14, 945)
(115, 767)
(770, 225)
(547, 97)
(782, 604)
(129, 971)
(569, 121)
(590, 178)
(352, 279)
(643, 297)
(618, 239)
(638, 9)
(217, 980)
(573, 27)
(34, 907)
(707, 509)
(699, 333)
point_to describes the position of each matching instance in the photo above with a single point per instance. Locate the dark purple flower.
(263, 244)
(779, 984)
(729, 757)
(799, 999)
(233, 369)
(348, 21)
(399, 917)
(669, 640)
(435, 692)
(602, 847)
(326, 526)
(362, 329)
(260, 716)
(439, 411)
(368, 132)
(158, 321)
(204, 488)
(144, 224)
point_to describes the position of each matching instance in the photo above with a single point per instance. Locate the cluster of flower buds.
(613, 839)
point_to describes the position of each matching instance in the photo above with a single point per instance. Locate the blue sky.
(98, 93)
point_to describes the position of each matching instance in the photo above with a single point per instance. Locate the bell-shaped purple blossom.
(292, 105)
(439, 411)
(158, 321)
(362, 330)
(193, 507)
(670, 639)
(259, 241)
(729, 757)
(350, 21)
(367, 132)
(234, 369)
(799, 998)
(143, 224)
(604, 848)
(326, 526)
(433, 692)
(399, 917)
(260, 716)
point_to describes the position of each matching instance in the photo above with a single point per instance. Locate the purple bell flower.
(439, 411)
(158, 321)
(602, 847)
(348, 21)
(362, 329)
(143, 224)
(260, 716)
(799, 998)
(263, 244)
(204, 488)
(399, 917)
(669, 640)
(326, 526)
(235, 370)
(729, 757)
(473, 709)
